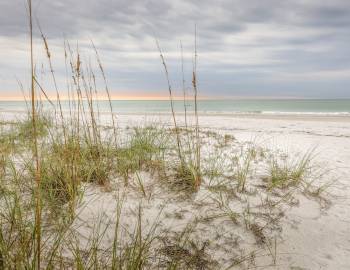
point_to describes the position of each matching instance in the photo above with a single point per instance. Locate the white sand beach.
(310, 232)
(312, 236)
(313, 239)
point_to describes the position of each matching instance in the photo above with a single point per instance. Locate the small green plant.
(285, 173)
(214, 165)
(25, 131)
(186, 177)
(15, 136)
(16, 239)
(242, 167)
(145, 149)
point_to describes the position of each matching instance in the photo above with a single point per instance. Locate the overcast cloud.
(272, 48)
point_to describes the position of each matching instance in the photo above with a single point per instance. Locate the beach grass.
(175, 194)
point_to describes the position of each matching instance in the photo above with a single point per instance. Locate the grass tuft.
(286, 173)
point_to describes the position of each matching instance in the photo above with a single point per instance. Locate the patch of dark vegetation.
(190, 256)
(145, 150)
(258, 233)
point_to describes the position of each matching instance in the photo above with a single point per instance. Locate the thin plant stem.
(36, 155)
(178, 141)
(194, 83)
(48, 54)
(183, 84)
(107, 92)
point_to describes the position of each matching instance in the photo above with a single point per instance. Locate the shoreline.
(290, 116)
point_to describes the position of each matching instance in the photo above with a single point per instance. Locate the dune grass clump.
(18, 135)
(286, 173)
(24, 128)
(242, 165)
(16, 234)
(185, 178)
(96, 163)
(144, 149)
(3, 163)
(17, 223)
(58, 184)
(8, 137)
(242, 171)
(63, 247)
(188, 152)
(65, 164)
(150, 143)
(214, 166)
(85, 162)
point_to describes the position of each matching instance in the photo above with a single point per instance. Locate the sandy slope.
(320, 240)
(314, 238)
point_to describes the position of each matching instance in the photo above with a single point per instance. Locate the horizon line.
(178, 98)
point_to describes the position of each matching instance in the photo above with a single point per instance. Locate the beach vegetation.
(79, 191)
(285, 173)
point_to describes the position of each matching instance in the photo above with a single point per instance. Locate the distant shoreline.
(189, 98)
(296, 116)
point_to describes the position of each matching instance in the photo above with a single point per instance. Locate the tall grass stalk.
(190, 165)
(194, 83)
(183, 84)
(178, 140)
(35, 146)
(48, 55)
(107, 91)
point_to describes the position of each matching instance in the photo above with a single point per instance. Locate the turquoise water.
(330, 106)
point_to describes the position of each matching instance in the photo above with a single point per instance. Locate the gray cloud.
(253, 48)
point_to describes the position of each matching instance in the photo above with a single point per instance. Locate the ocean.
(242, 106)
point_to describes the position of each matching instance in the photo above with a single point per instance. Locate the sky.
(251, 48)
